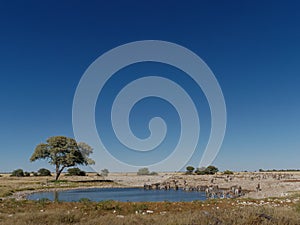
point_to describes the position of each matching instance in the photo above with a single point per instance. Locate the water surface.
(120, 194)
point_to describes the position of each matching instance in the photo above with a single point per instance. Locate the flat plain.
(276, 203)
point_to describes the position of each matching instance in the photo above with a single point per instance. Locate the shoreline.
(273, 185)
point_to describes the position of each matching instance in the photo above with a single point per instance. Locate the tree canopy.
(63, 152)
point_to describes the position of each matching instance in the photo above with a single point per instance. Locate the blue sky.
(253, 48)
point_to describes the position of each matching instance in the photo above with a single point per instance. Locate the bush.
(44, 172)
(17, 173)
(143, 171)
(227, 172)
(26, 174)
(189, 169)
(153, 173)
(75, 172)
(207, 170)
(211, 170)
(200, 171)
(104, 172)
(35, 174)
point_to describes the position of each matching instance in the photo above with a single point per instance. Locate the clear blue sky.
(252, 47)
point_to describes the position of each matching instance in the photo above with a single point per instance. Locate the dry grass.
(110, 212)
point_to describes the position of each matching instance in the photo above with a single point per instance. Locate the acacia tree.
(63, 152)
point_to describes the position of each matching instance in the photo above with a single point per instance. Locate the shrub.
(153, 173)
(44, 172)
(200, 171)
(17, 173)
(26, 174)
(227, 172)
(211, 170)
(35, 174)
(104, 172)
(207, 170)
(75, 172)
(143, 171)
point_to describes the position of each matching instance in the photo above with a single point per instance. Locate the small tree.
(211, 170)
(104, 172)
(44, 172)
(190, 169)
(17, 173)
(143, 171)
(62, 152)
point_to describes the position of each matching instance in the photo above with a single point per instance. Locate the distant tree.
(211, 170)
(143, 171)
(44, 172)
(261, 170)
(190, 169)
(17, 173)
(75, 172)
(200, 171)
(62, 152)
(104, 172)
(26, 174)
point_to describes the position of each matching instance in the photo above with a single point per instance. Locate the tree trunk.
(58, 171)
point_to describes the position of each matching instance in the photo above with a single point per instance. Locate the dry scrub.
(110, 212)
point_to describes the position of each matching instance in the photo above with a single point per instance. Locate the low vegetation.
(145, 171)
(201, 171)
(17, 173)
(228, 172)
(44, 172)
(104, 172)
(85, 212)
(75, 172)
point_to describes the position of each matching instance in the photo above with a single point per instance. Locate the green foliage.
(26, 174)
(203, 170)
(104, 172)
(200, 171)
(75, 172)
(44, 172)
(86, 150)
(143, 171)
(63, 152)
(35, 174)
(17, 173)
(211, 170)
(190, 169)
(227, 172)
